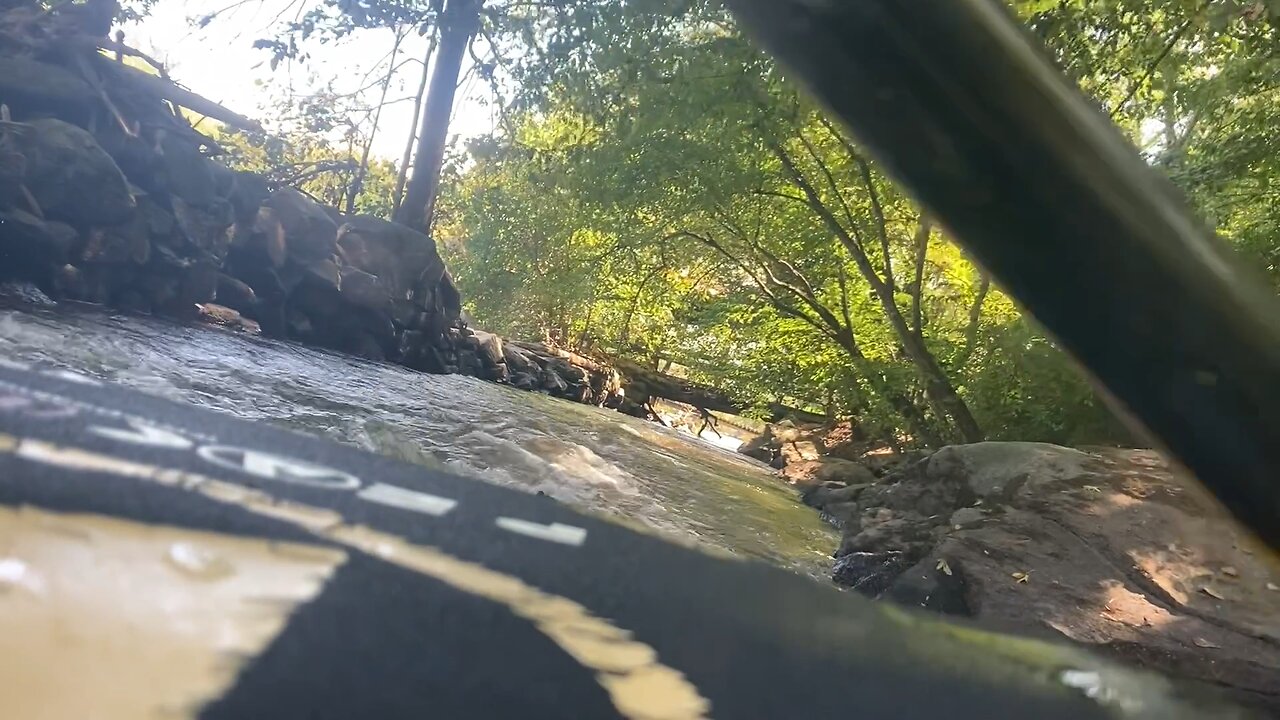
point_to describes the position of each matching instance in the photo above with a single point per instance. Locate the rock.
(310, 235)
(72, 178)
(364, 290)
(326, 271)
(870, 573)
(184, 172)
(219, 315)
(68, 281)
(248, 191)
(827, 492)
(269, 234)
(31, 247)
(498, 373)
(966, 517)
(518, 360)
(129, 242)
(1112, 549)
(553, 383)
(235, 294)
(205, 227)
(936, 583)
(364, 345)
(41, 86)
(490, 349)
(404, 313)
(24, 293)
(996, 470)
(399, 256)
(197, 286)
(827, 469)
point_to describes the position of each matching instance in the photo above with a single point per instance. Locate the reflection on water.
(585, 456)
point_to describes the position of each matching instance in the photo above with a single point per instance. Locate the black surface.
(383, 642)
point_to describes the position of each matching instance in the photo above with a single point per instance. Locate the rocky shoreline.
(1118, 550)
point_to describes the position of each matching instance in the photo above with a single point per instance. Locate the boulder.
(204, 226)
(29, 245)
(966, 517)
(235, 294)
(364, 290)
(490, 349)
(310, 235)
(248, 191)
(398, 256)
(184, 172)
(518, 360)
(72, 178)
(41, 86)
(553, 383)
(996, 470)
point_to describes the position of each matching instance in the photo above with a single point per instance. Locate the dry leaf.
(1211, 592)
(1273, 587)
(1021, 577)
(1230, 571)
(943, 566)
(1201, 642)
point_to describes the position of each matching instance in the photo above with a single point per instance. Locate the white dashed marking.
(144, 434)
(555, 532)
(399, 497)
(275, 467)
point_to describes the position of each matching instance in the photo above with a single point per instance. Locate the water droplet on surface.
(15, 573)
(198, 562)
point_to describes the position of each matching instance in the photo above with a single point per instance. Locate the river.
(600, 461)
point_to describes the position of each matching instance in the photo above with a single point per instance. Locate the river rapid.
(635, 472)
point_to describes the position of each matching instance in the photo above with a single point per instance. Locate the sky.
(220, 63)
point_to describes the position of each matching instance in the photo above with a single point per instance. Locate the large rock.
(398, 256)
(489, 348)
(996, 470)
(310, 235)
(365, 290)
(72, 178)
(1113, 549)
(31, 248)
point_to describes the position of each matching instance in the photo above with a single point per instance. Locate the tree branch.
(922, 249)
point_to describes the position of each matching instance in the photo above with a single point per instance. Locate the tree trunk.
(459, 24)
(402, 173)
(938, 388)
(917, 423)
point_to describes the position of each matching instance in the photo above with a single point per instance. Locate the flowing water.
(591, 458)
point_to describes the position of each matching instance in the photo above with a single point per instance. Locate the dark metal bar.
(956, 101)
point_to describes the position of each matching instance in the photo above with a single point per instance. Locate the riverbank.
(1118, 550)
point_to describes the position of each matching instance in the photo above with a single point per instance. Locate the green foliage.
(659, 189)
(312, 164)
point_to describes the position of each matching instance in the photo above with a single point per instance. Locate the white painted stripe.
(555, 532)
(144, 434)
(399, 497)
